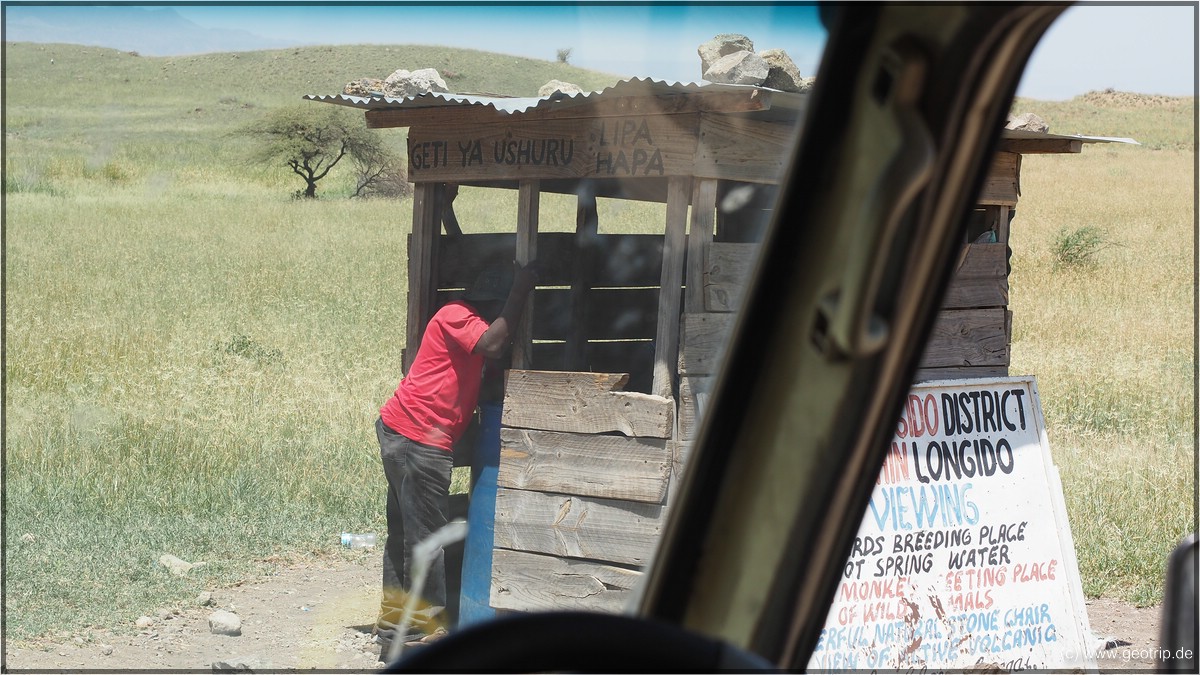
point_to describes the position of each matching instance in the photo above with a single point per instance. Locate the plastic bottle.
(358, 540)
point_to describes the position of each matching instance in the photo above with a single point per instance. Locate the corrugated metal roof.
(786, 101)
(511, 105)
(1042, 136)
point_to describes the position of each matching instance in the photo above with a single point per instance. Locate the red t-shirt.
(435, 401)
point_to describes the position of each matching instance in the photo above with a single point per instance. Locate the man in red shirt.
(417, 428)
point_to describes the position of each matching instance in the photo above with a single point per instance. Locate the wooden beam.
(728, 268)
(449, 220)
(740, 148)
(722, 102)
(693, 401)
(586, 403)
(607, 530)
(641, 147)
(980, 279)
(528, 200)
(1002, 226)
(670, 289)
(588, 465)
(1036, 146)
(586, 237)
(700, 237)
(1002, 185)
(420, 268)
(681, 451)
(530, 582)
(704, 339)
(617, 259)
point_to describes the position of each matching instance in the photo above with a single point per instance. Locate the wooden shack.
(621, 341)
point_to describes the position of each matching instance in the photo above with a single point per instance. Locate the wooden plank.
(980, 277)
(704, 339)
(670, 294)
(529, 582)
(607, 530)
(982, 261)
(613, 314)
(750, 100)
(617, 314)
(616, 259)
(587, 403)
(693, 401)
(633, 357)
(528, 200)
(728, 271)
(965, 293)
(420, 268)
(588, 465)
(1036, 146)
(700, 236)
(739, 148)
(968, 337)
(636, 146)
(960, 373)
(1002, 185)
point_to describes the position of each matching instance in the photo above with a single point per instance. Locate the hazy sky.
(1143, 48)
(646, 40)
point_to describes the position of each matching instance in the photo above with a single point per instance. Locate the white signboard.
(964, 558)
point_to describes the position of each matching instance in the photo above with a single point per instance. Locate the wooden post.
(1002, 225)
(449, 220)
(586, 228)
(704, 214)
(528, 199)
(421, 289)
(666, 340)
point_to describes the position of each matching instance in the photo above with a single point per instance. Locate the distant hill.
(1157, 122)
(151, 31)
(43, 73)
(67, 91)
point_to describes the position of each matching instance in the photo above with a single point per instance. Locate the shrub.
(1079, 248)
(564, 54)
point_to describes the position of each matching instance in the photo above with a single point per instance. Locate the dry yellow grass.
(1112, 347)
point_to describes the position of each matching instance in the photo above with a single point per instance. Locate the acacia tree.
(312, 139)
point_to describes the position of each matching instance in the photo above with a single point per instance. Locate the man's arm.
(496, 338)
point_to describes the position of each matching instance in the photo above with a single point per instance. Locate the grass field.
(194, 360)
(1112, 343)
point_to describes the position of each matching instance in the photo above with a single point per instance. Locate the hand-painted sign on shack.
(964, 557)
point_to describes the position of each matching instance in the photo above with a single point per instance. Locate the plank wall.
(582, 489)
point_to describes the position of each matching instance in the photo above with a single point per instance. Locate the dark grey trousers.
(418, 478)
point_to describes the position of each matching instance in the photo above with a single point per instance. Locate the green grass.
(194, 360)
(196, 384)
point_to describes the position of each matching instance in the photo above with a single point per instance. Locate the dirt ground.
(317, 615)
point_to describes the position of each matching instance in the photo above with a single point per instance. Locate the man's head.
(490, 290)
